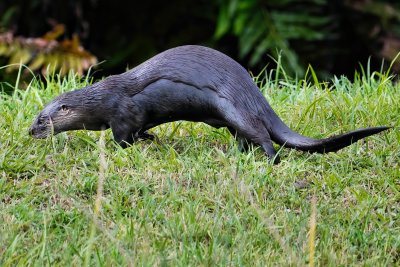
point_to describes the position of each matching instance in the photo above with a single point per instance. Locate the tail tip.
(383, 128)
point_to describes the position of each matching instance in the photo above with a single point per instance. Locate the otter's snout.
(38, 133)
(40, 129)
(35, 133)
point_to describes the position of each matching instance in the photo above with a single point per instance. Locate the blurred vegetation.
(267, 27)
(333, 36)
(46, 53)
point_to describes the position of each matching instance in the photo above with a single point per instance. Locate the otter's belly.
(165, 101)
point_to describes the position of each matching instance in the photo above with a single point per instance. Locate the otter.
(192, 83)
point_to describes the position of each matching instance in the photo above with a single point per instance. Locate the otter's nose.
(31, 131)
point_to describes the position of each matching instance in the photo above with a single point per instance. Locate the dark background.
(335, 37)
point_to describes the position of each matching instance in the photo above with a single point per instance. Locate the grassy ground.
(192, 199)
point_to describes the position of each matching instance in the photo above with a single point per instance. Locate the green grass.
(192, 199)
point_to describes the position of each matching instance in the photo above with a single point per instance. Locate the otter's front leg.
(124, 134)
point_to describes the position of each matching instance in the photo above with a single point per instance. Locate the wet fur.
(191, 83)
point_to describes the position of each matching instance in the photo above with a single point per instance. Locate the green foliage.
(46, 53)
(191, 199)
(321, 32)
(267, 27)
(332, 36)
(6, 17)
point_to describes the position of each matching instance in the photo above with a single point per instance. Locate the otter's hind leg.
(264, 140)
(251, 129)
(243, 143)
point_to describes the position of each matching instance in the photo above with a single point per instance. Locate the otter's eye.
(63, 107)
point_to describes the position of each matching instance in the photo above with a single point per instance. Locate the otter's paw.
(146, 136)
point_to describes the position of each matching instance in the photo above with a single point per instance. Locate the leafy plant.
(46, 53)
(333, 36)
(268, 27)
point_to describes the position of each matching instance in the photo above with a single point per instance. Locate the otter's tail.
(283, 135)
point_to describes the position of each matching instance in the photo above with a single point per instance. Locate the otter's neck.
(102, 102)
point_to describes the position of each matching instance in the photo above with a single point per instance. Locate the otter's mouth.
(42, 127)
(42, 131)
(39, 134)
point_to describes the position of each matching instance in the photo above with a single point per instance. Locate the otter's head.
(67, 112)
